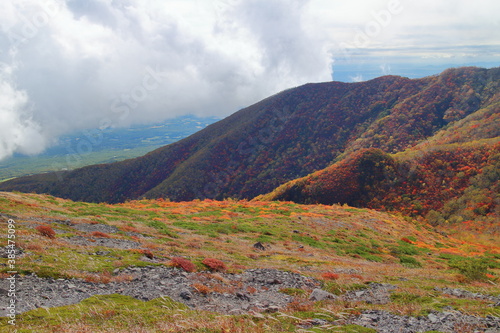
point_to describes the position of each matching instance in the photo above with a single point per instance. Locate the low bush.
(46, 231)
(409, 262)
(183, 263)
(100, 234)
(329, 276)
(214, 264)
(472, 269)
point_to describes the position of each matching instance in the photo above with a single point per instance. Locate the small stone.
(272, 309)
(273, 281)
(242, 296)
(186, 294)
(433, 318)
(259, 246)
(318, 322)
(320, 295)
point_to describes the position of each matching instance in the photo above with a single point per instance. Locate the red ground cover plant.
(329, 276)
(100, 234)
(406, 240)
(183, 263)
(214, 264)
(46, 231)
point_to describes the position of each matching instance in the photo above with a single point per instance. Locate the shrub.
(147, 253)
(100, 234)
(406, 240)
(214, 264)
(183, 263)
(292, 291)
(330, 276)
(409, 262)
(201, 288)
(46, 231)
(472, 269)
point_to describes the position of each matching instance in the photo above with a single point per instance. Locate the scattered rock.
(123, 244)
(375, 293)
(87, 227)
(186, 295)
(320, 295)
(152, 282)
(386, 322)
(155, 281)
(259, 246)
(467, 294)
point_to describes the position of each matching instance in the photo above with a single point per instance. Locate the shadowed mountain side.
(284, 137)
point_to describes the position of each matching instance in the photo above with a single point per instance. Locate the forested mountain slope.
(452, 177)
(290, 135)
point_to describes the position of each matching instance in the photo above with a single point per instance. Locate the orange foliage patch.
(46, 231)
(214, 264)
(183, 263)
(100, 234)
(330, 276)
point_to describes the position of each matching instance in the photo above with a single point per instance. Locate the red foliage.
(183, 263)
(100, 234)
(406, 240)
(214, 264)
(330, 276)
(147, 253)
(46, 231)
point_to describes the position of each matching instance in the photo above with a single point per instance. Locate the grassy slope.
(308, 239)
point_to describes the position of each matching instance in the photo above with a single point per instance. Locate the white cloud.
(18, 131)
(81, 63)
(357, 78)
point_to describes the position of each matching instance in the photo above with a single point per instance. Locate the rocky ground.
(253, 291)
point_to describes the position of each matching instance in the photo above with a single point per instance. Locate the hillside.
(287, 136)
(451, 178)
(227, 266)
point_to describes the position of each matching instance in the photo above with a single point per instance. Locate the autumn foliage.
(214, 264)
(300, 131)
(46, 231)
(100, 234)
(183, 263)
(329, 276)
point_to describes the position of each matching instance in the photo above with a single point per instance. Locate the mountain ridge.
(283, 137)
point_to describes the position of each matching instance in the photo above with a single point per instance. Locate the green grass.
(434, 302)
(409, 262)
(115, 312)
(162, 228)
(292, 291)
(309, 241)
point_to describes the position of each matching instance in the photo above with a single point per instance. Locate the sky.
(71, 65)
